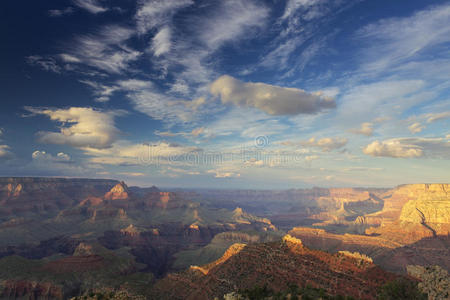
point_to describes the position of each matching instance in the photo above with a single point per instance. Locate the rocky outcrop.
(232, 250)
(118, 192)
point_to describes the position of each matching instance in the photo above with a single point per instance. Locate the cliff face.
(431, 206)
(424, 212)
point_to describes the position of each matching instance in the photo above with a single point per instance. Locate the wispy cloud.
(105, 50)
(45, 63)
(92, 6)
(415, 127)
(395, 40)
(61, 12)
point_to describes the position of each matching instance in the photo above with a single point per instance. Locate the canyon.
(189, 242)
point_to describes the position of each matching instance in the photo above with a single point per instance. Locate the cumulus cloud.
(45, 157)
(274, 100)
(5, 151)
(326, 144)
(366, 129)
(416, 127)
(409, 148)
(81, 127)
(92, 6)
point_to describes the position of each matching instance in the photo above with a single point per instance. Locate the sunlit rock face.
(431, 206)
(118, 192)
(426, 213)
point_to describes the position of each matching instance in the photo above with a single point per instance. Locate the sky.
(260, 94)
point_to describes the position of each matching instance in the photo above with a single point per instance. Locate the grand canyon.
(224, 150)
(63, 238)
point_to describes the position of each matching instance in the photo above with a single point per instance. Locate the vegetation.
(401, 289)
(293, 293)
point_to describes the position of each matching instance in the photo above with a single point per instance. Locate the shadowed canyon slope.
(276, 265)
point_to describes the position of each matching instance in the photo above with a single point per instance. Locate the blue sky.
(232, 94)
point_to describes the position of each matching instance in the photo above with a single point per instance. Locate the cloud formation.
(154, 13)
(45, 157)
(366, 129)
(161, 42)
(416, 127)
(410, 148)
(326, 144)
(81, 127)
(105, 50)
(92, 6)
(4, 151)
(125, 153)
(438, 116)
(274, 100)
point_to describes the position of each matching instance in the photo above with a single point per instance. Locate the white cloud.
(60, 12)
(5, 151)
(274, 100)
(1, 131)
(366, 129)
(223, 173)
(437, 116)
(155, 13)
(69, 58)
(326, 144)
(384, 98)
(410, 148)
(106, 50)
(125, 153)
(92, 6)
(44, 157)
(81, 127)
(161, 42)
(393, 41)
(45, 63)
(416, 127)
(293, 5)
(231, 20)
